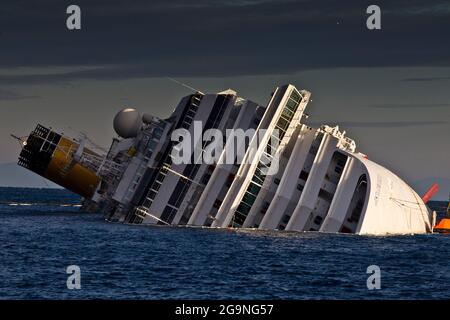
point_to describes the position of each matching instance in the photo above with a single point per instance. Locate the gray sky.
(388, 88)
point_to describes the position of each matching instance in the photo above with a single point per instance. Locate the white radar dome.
(127, 123)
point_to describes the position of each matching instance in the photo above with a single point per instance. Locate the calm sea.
(42, 232)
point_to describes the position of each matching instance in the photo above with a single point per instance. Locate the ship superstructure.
(290, 176)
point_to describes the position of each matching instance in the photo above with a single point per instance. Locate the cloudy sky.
(389, 88)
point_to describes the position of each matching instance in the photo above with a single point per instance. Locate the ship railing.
(143, 213)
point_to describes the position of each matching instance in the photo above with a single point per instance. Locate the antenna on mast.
(184, 85)
(22, 140)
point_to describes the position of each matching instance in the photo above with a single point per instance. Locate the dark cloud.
(409, 105)
(164, 68)
(12, 95)
(378, 124)
(125, 39)
(426, 79)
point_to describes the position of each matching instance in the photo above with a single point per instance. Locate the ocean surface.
(42, 232)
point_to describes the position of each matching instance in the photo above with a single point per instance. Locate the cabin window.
(168, 214)
(285, 219)
(217, 203)
(230, 180)
(325, 195)
(265, 206)
(318, 220)
(205, 178)
(303, 175)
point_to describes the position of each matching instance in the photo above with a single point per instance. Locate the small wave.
(42, 204)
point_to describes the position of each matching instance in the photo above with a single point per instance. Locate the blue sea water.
(42, 232)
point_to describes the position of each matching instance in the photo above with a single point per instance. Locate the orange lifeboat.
(444, 225)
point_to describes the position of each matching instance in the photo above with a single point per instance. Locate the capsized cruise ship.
(290, 176)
